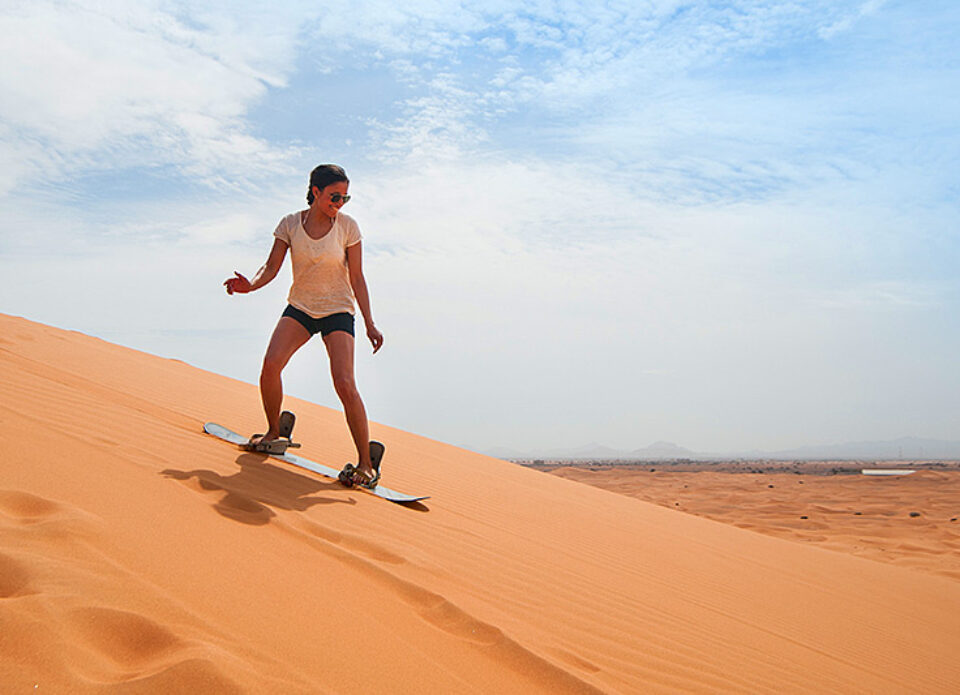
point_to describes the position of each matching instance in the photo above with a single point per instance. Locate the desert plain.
(910, 520)
(140, 555)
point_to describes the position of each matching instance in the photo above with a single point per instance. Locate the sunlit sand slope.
(139, 555)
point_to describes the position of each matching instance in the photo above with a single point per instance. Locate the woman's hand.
(375, 337)
(267, 272)
(238, 284)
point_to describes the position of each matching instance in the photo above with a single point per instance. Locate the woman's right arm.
(268, 271)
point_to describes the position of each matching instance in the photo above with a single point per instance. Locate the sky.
(728, 225)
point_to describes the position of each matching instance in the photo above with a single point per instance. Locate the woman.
(325, 248)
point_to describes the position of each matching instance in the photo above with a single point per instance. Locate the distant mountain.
(660, 451)
(912, 448)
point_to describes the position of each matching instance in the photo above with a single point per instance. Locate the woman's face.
(332, 198)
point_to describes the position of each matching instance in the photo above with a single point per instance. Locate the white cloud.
(624, 222)
(604, 75)
(520, 273)
(438, 125)
(845, 22)
(92, 83)
(882, 296)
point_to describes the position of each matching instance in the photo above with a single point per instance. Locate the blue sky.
(731, 225)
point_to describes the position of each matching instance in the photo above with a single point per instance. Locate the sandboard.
(380, 491)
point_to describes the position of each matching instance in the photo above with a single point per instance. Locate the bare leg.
(288, 337)
(340, 350)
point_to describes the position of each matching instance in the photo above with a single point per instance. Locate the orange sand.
(139, 555)
(911, 521)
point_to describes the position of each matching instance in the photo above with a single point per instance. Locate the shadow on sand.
(258, 486)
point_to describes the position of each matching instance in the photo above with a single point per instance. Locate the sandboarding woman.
(325, 249)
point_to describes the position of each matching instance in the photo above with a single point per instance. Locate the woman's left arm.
(359, 284)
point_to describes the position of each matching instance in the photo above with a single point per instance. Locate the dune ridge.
(138, 554)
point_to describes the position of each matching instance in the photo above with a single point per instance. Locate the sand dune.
(911, 521)
(139, 555)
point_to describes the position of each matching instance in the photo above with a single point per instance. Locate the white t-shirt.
(321, 281)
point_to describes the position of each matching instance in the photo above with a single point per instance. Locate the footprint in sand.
(25, 507)
(142, 654)
(349, 542)
(14, 578)
(126, 638)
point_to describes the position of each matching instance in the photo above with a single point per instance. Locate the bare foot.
(259, 439)
(365, 477)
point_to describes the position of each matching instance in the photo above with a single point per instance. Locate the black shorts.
(325, 326)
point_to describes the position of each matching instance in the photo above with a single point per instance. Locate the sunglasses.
(336, 198)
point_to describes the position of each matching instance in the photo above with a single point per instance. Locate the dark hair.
(323, 176)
